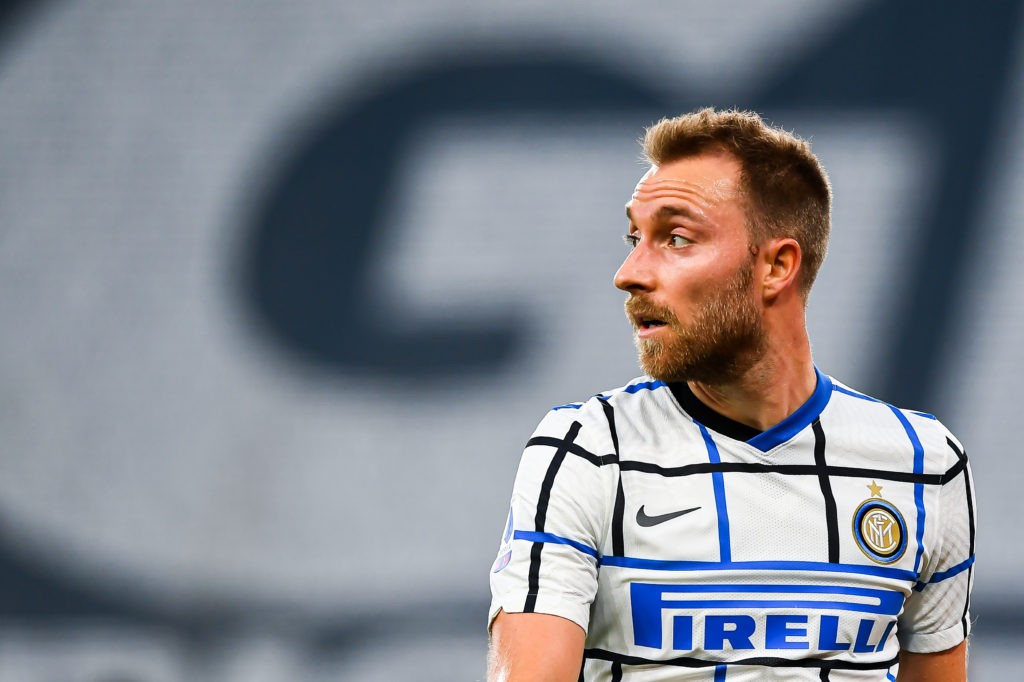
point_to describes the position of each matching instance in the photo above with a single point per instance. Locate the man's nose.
(636, 272)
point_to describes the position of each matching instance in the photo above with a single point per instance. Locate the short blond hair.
(787, 190)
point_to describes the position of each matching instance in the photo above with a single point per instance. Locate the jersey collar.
(764, 441)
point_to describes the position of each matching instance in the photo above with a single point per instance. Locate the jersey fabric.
(691, 547)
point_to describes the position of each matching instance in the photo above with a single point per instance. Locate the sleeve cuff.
(554, 605)
(932, 642)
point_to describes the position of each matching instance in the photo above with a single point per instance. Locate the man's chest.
(739, 504)
(737, 554)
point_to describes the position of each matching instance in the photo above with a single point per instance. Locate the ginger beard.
(724, 340)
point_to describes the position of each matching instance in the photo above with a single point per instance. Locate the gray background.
(286, 286)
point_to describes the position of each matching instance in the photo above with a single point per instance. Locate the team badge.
(879, 528)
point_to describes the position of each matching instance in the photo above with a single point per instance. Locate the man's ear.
(780, 261)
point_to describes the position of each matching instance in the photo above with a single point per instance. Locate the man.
(736, 514)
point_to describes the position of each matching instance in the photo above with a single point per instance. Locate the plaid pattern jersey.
(692, 547)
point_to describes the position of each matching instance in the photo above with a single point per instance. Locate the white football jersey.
(691, 547)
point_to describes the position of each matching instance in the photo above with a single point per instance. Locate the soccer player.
(735, 514)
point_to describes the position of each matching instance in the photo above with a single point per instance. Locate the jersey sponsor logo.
(746, 617)
(879, 528)
(647, 521)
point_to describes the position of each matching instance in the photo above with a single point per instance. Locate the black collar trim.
(703, 414)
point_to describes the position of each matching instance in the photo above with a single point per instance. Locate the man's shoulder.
(924, 429)
(636, 399)
(638, 390)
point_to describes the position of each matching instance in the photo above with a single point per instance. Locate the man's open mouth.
(648, 323)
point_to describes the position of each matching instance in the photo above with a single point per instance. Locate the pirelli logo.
(762, 617)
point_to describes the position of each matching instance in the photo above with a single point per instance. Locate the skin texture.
(689, 225)
(692, 267)
(534, 647)
(945, 666)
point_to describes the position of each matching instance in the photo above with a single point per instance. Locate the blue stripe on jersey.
(885, 602)
(799, 420)
(632, 388)
(534, 536)
(643, 386)
(885, 634)
(718, 481)
(669, 565)
(765, 588)
(918, 465)
(847, 391)
(918, 487)
(720, 673)
(888, 676)
(817, 566)
(855, 394)
(889, 606)
(948, 573)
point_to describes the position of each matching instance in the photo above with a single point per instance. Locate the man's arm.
(943, 666)
(535, 647)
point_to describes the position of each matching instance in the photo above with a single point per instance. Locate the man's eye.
(679, 240)
(631, 240)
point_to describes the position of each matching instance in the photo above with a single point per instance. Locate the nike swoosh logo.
(647, 521)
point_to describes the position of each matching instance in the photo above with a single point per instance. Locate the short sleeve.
(937, 614)
(548, 558)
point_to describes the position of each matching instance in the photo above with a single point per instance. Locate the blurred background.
(285, 287)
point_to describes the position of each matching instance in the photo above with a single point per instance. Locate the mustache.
(640, 307)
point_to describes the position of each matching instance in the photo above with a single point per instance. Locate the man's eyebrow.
(666, 212)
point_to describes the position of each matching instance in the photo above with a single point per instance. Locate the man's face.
(690, 273)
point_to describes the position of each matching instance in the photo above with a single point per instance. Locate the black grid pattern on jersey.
(961, 456)
(619, 510)
(831, 516)
(789, 469)
(542, 511)
(821, 469)
(751, 467)
(763, 661)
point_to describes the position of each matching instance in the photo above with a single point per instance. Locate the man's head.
(731, 220)
(786, 189)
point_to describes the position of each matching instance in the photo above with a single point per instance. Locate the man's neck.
(769, 392)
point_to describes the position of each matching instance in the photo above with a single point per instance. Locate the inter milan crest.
(879, 528)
